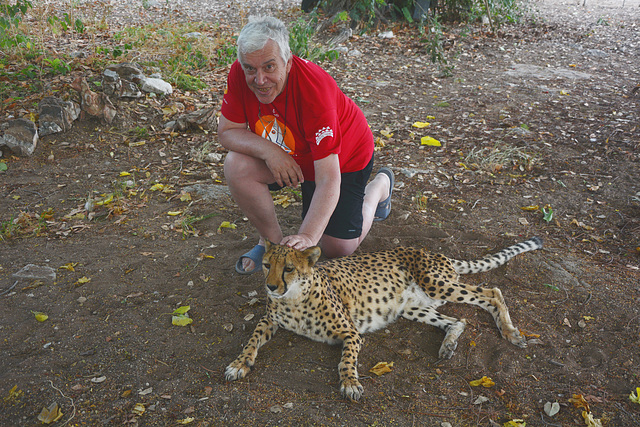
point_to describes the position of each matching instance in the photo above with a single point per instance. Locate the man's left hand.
(298, 241)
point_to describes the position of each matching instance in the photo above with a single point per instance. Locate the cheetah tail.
(490, 262)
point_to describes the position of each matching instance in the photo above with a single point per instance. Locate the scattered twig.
(9, 289)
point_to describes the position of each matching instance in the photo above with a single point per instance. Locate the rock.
(114, 85)
(21, 137)
(209, 192)
(56, 115)
(130, 90)
(193, 36)
(92, 103)
(32, 271)
(155, 85)
(341, 37)
(204, 119)
(128, 71)
(111, 82)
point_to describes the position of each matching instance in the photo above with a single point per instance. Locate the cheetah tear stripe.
(496, 260)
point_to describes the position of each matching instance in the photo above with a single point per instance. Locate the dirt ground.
(542, 115)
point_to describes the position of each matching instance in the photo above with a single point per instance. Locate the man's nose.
(261, 77)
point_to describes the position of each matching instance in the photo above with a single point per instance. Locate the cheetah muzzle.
(338, 300)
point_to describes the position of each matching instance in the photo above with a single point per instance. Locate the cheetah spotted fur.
(338, 300)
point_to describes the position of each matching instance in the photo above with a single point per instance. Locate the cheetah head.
(288, 271)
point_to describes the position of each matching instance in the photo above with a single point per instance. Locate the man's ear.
(312, 254)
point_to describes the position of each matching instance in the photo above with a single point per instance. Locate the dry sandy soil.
(544, 114)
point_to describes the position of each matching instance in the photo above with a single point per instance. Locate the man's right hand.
(284, 168)
(237, 137)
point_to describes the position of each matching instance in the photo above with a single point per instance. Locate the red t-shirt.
(311, 115)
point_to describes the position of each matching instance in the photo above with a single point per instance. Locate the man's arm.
(236, 137)
(324, 201)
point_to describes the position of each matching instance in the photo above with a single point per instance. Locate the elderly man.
(286, 123)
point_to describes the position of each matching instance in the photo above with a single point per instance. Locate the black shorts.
(346, 220)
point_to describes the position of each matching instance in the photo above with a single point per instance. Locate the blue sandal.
(254, 255)
(384, 207)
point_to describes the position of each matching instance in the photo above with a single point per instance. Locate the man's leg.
(247, 178)
(376, 191)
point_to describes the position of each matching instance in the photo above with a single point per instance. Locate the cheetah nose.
(272, 287)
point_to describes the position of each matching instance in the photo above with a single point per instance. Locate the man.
(285, 123)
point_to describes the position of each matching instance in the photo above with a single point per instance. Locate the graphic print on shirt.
(277, 132)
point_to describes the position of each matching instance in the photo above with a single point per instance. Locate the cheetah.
(338, 300)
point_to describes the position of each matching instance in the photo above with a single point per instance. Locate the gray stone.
(21, 137)
(128, 71)
(204, 118)
(157, 86)
(130, 90)
(56, 115)
(528, 70)
(192, 36)
(209, 192)
(111, 82)
(32, 271)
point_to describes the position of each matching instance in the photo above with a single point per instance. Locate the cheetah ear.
(267, 245)
(312, 254)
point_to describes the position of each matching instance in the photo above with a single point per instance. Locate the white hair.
(260, 29)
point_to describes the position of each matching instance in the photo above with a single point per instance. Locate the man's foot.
(384, 207)
(251, 261)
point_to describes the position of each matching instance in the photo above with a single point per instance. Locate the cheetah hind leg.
(452, 326)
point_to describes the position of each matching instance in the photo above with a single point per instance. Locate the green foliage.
(226, 54)
(66, 23)
(300, 41)
(187, 82)
(10, 18)
(58, 66)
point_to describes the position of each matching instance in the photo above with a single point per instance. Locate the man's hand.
(298, 241)
(237, 137)
(283, 167)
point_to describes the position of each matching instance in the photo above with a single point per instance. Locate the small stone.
(21, 137)
(32, 271)
(157, 86)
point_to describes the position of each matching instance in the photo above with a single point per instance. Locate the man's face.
(265, 72)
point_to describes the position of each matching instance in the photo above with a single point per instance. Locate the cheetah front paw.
(236, 370)
(450, 342)
(352, 389)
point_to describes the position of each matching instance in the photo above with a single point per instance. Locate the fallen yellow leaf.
(381, 368)
(427, 140)
(125, 174)
(590, 421)
(138, 409)
(68, 266)
(386, 133)
(226, 224)
(174, 213)
(156, 187)
(484, 382)
(530, 208)
(635, 397)
(40, 317)
(51, 414)
(186, 420)
(421, 125)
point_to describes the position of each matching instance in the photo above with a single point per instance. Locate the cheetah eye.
(266, 265)
(288, 269)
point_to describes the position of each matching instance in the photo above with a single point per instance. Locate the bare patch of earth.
(555, 92)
